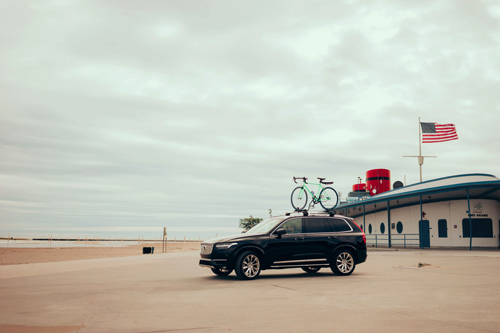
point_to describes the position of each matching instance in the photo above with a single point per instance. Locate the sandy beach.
(16, 255)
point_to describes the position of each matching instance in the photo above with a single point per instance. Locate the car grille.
(206, 248)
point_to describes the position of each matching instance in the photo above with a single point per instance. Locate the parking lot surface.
(451, 291)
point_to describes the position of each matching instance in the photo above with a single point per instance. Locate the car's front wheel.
(221, 272)
(343, 262)
(248, 265)
(311, 270)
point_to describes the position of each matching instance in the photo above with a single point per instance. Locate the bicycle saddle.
(321, 180)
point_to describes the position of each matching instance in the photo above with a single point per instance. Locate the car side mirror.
(280, 232)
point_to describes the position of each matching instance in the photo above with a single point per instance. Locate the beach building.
(443, 212)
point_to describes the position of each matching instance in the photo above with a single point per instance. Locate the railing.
(396, 239)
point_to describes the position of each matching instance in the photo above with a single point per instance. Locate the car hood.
(232, 238)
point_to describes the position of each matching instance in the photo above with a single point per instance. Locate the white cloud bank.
(131, 114)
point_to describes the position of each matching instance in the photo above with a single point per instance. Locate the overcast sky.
(122, 117)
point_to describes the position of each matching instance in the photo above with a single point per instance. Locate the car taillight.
(364, 236)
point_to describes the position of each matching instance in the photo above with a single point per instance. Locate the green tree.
(249, 223)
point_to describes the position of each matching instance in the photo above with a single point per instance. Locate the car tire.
(248, 265)
(343, 262)
(221, 272)
(311, 270)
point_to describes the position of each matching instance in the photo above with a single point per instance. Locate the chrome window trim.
(312, 233)
(329, 232)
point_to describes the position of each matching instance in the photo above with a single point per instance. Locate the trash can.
(148, 250)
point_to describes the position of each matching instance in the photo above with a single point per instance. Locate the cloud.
(119, 113)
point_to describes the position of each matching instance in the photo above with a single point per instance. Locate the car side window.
(354, 226)
(293, 226)
(317, 225)
(339, 225)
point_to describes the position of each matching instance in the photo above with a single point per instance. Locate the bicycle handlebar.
(303, 178)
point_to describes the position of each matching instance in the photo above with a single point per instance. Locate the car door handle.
(332, 237)
(299, 238)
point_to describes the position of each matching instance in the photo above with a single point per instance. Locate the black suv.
(306, 240)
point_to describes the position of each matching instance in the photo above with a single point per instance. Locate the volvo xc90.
(304, 240)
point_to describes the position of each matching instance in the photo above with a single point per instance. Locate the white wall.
(452, 211)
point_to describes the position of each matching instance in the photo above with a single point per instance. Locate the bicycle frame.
(313, 196)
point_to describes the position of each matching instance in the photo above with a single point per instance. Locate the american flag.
(433, 132)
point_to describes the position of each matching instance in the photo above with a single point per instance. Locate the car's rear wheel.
(311, 270)
(221, 272)
(248, 265)
(343, 262)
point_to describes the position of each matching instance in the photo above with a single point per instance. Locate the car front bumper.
(214, 263)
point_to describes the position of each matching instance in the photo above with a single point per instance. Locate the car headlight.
(223, 246)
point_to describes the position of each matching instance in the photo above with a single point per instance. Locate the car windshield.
(265, 226)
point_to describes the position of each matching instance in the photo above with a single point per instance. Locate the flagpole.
(419, 138)
(420, 157)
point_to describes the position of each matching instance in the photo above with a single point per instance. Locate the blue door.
(425, 239)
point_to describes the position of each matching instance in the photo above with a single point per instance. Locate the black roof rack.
(306, 213)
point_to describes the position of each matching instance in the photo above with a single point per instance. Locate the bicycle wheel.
(328, 198)
(299, 198)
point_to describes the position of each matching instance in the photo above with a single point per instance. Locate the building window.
(481, 228)
(382, 227)
(399, 227)
(443, 228)
(370, 228)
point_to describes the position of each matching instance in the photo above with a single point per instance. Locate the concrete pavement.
(459, 292)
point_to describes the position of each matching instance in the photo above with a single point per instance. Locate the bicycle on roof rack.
(327, 198)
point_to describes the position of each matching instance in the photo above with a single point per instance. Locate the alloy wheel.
(345, 262)
(251, 266)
